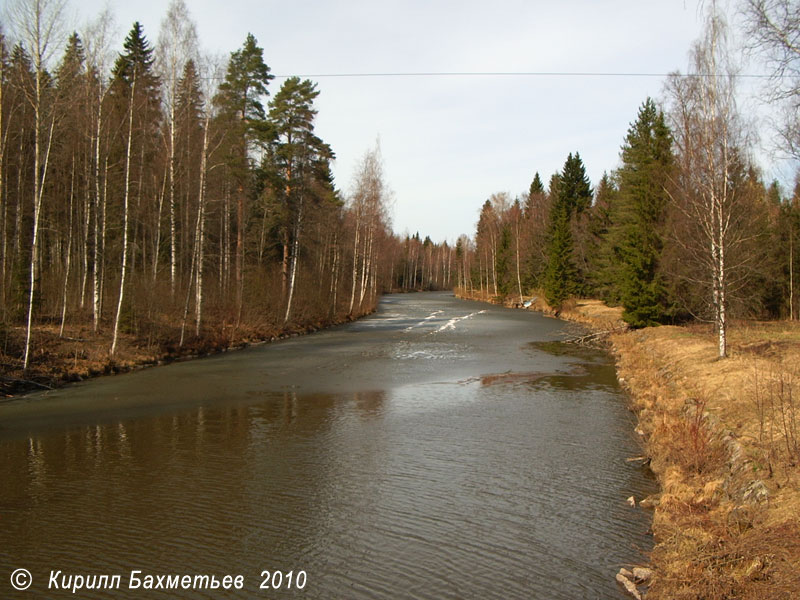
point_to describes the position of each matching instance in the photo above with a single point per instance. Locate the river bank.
(723, 439)
(79, 353)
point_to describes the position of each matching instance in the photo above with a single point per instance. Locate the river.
(437, 449)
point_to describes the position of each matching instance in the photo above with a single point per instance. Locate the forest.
(156, 199)
(161, 200)
(685, 228)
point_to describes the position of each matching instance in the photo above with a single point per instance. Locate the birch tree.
(135, 83)
(98, 42)
(71, 161)
(3, 146)
(368, 207)
(177, 44)
(37, 24)
(709, 141)
(773, 30)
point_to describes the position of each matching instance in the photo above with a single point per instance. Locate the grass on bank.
(722, 436)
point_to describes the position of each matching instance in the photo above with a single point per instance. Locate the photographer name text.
(139, 580)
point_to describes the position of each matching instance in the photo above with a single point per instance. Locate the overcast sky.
(449, 142)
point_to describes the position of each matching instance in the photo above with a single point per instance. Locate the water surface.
(437, 449)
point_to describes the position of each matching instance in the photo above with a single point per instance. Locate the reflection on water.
(438, 489)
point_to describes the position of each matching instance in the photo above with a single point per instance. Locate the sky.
(450, 141)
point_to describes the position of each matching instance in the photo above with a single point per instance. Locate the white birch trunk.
(172, 235)
(295, 252)
(200, 234)
(69, 253)
(37, 210)
(519, 279)
(126, 195)
(96, 267)
(355, 266)
(157, 241)
(335, 274)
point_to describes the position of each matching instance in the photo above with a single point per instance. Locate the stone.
(642, 574)
(629, 586)
(756, 493)
(625, 573)
(650, 502)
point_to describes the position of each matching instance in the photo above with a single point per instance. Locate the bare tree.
(773, 30)
(125, 215)
(177, 43)
(709, 140)
(38, 25)
(368, 206)
(98, 39)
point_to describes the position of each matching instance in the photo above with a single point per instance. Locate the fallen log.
(594, 337)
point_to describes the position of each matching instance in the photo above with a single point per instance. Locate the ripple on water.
(510, 484)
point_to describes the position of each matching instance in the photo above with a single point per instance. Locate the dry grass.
(727, 524)
(593, 313)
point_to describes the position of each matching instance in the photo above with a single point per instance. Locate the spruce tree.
(137, 61)
(560, 277)
(573, 195)
(535, 192)
(643, 177)
(601, 275)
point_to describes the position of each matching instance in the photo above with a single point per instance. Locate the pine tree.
(301, 161)
(639, 214)
(239, 99)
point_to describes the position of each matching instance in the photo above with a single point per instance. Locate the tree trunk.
(157, 241)
(355, 266)
(125, 216)
(239, 251)
(295, 253)
(200, 233)
(791, 268)
(38, 187)
(519, 279)
(172, 241)
(69, 252)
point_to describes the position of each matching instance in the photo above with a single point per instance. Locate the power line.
(505, 74)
